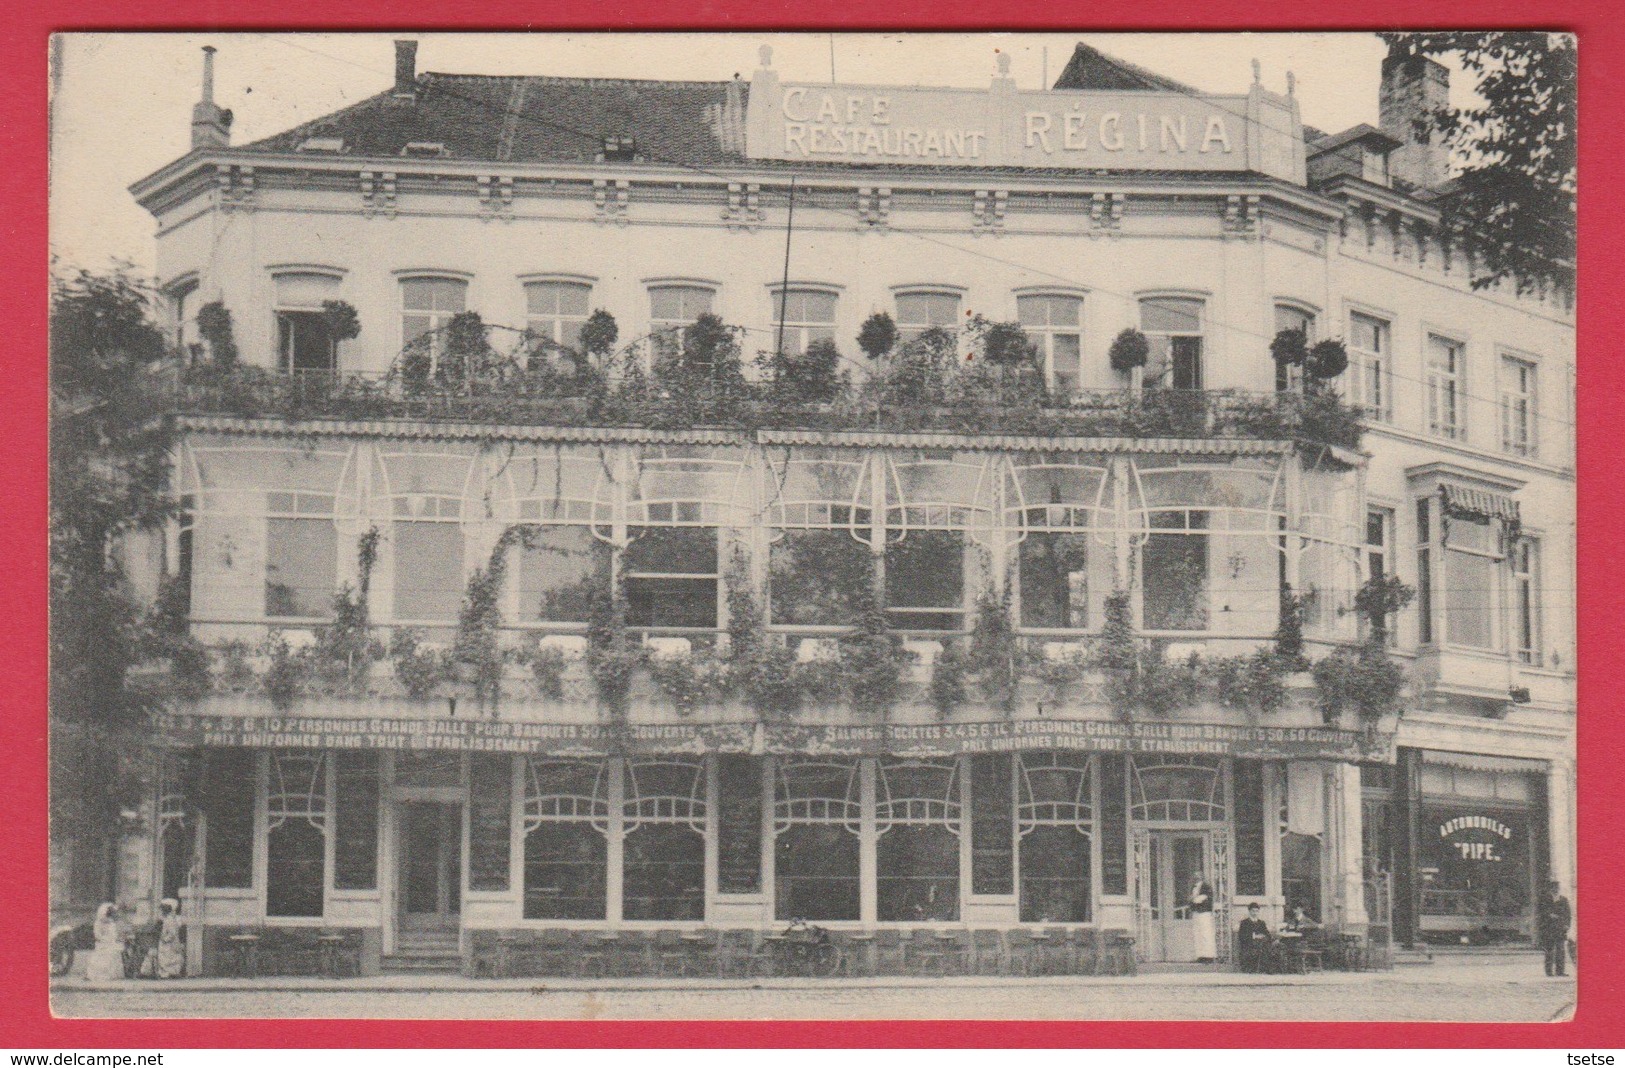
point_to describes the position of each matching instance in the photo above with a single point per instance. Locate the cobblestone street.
(1511, 991)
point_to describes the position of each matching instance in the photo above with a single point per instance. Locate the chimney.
(1414, 89)
(406, 70)
(211, 124)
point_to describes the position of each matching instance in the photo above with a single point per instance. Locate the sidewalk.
(1512, 968)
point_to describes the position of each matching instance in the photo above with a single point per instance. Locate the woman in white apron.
(1203, 932)
(107, 959)
(171, 944)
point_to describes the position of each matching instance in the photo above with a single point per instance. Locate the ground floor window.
(296, 834)
(1480, 843)
(917, 820)
(816, 816)
(1055, 814)
(566, 839)
(663, 844)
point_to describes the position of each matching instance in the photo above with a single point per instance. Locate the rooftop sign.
(1005, 127)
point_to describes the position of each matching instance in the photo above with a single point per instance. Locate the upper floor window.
(182, 306)
(1055, 324)
(1444, 389)
(1379, 541)
(1518, 406)
(1173, 325)
(556, 311)
(1287, 317)
(806, 316)
(1526, 599)
(305, 342)
(428, 305)
(673, 307)
(919, 312)
(301, 554)
(1369, 356)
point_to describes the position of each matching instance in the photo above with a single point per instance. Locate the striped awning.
(1484, 762)
(1466, 502)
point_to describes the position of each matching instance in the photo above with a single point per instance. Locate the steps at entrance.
(425, 953)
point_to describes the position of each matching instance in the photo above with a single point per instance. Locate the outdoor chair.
(594, 953)
(922, 952)
(889, 956)
(635, 954)
(670, 954)
(953, 951)
(1019, 951)
(1089, 956)
(700, 951)
(1055, 952)
(1119, 953)
(986, 952)
(858, 953)
(764, 957)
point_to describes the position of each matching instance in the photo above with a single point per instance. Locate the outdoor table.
(329, 945)
(245, 948)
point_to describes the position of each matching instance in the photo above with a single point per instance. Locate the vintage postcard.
(806, 526)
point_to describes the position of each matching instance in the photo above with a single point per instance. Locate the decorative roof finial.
(1291, 84)
(1258, 71)
(1004, 64)
(765, 54)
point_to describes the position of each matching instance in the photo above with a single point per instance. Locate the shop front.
(508, 826)
(1481, 856)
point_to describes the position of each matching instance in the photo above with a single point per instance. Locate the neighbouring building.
(514, 479)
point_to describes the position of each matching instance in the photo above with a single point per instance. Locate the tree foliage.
(108, 473)
(1518, 150)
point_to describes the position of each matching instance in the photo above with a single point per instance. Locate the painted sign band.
(923, 740)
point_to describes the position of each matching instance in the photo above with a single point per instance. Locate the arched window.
(664, 844)
(1055, 821)
(925, 310)
(296, 834)
(672, 307)
(808, 315)
(426, 493)
(428, 304)
(917, 819)
(1055, 324)
(816, 817)
(1179, 789)
(1292, 317)
(1058, 507)
(555, 311)
(566, 839)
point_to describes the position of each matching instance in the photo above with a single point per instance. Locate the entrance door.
(431, 859)
(1172, 862)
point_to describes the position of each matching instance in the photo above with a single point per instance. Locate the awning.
(1465, 502)
(1484, 762)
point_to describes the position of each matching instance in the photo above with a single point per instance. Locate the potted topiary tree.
(878, 335)
(1290, 347)
(1326, 360)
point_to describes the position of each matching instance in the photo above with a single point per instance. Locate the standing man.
(1554, 921)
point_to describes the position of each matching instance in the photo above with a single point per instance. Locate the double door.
(1168, 864)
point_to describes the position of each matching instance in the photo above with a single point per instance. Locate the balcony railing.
(524, 400)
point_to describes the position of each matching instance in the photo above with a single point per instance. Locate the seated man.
(1253, 943)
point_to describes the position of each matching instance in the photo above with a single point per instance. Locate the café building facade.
(421, 813)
